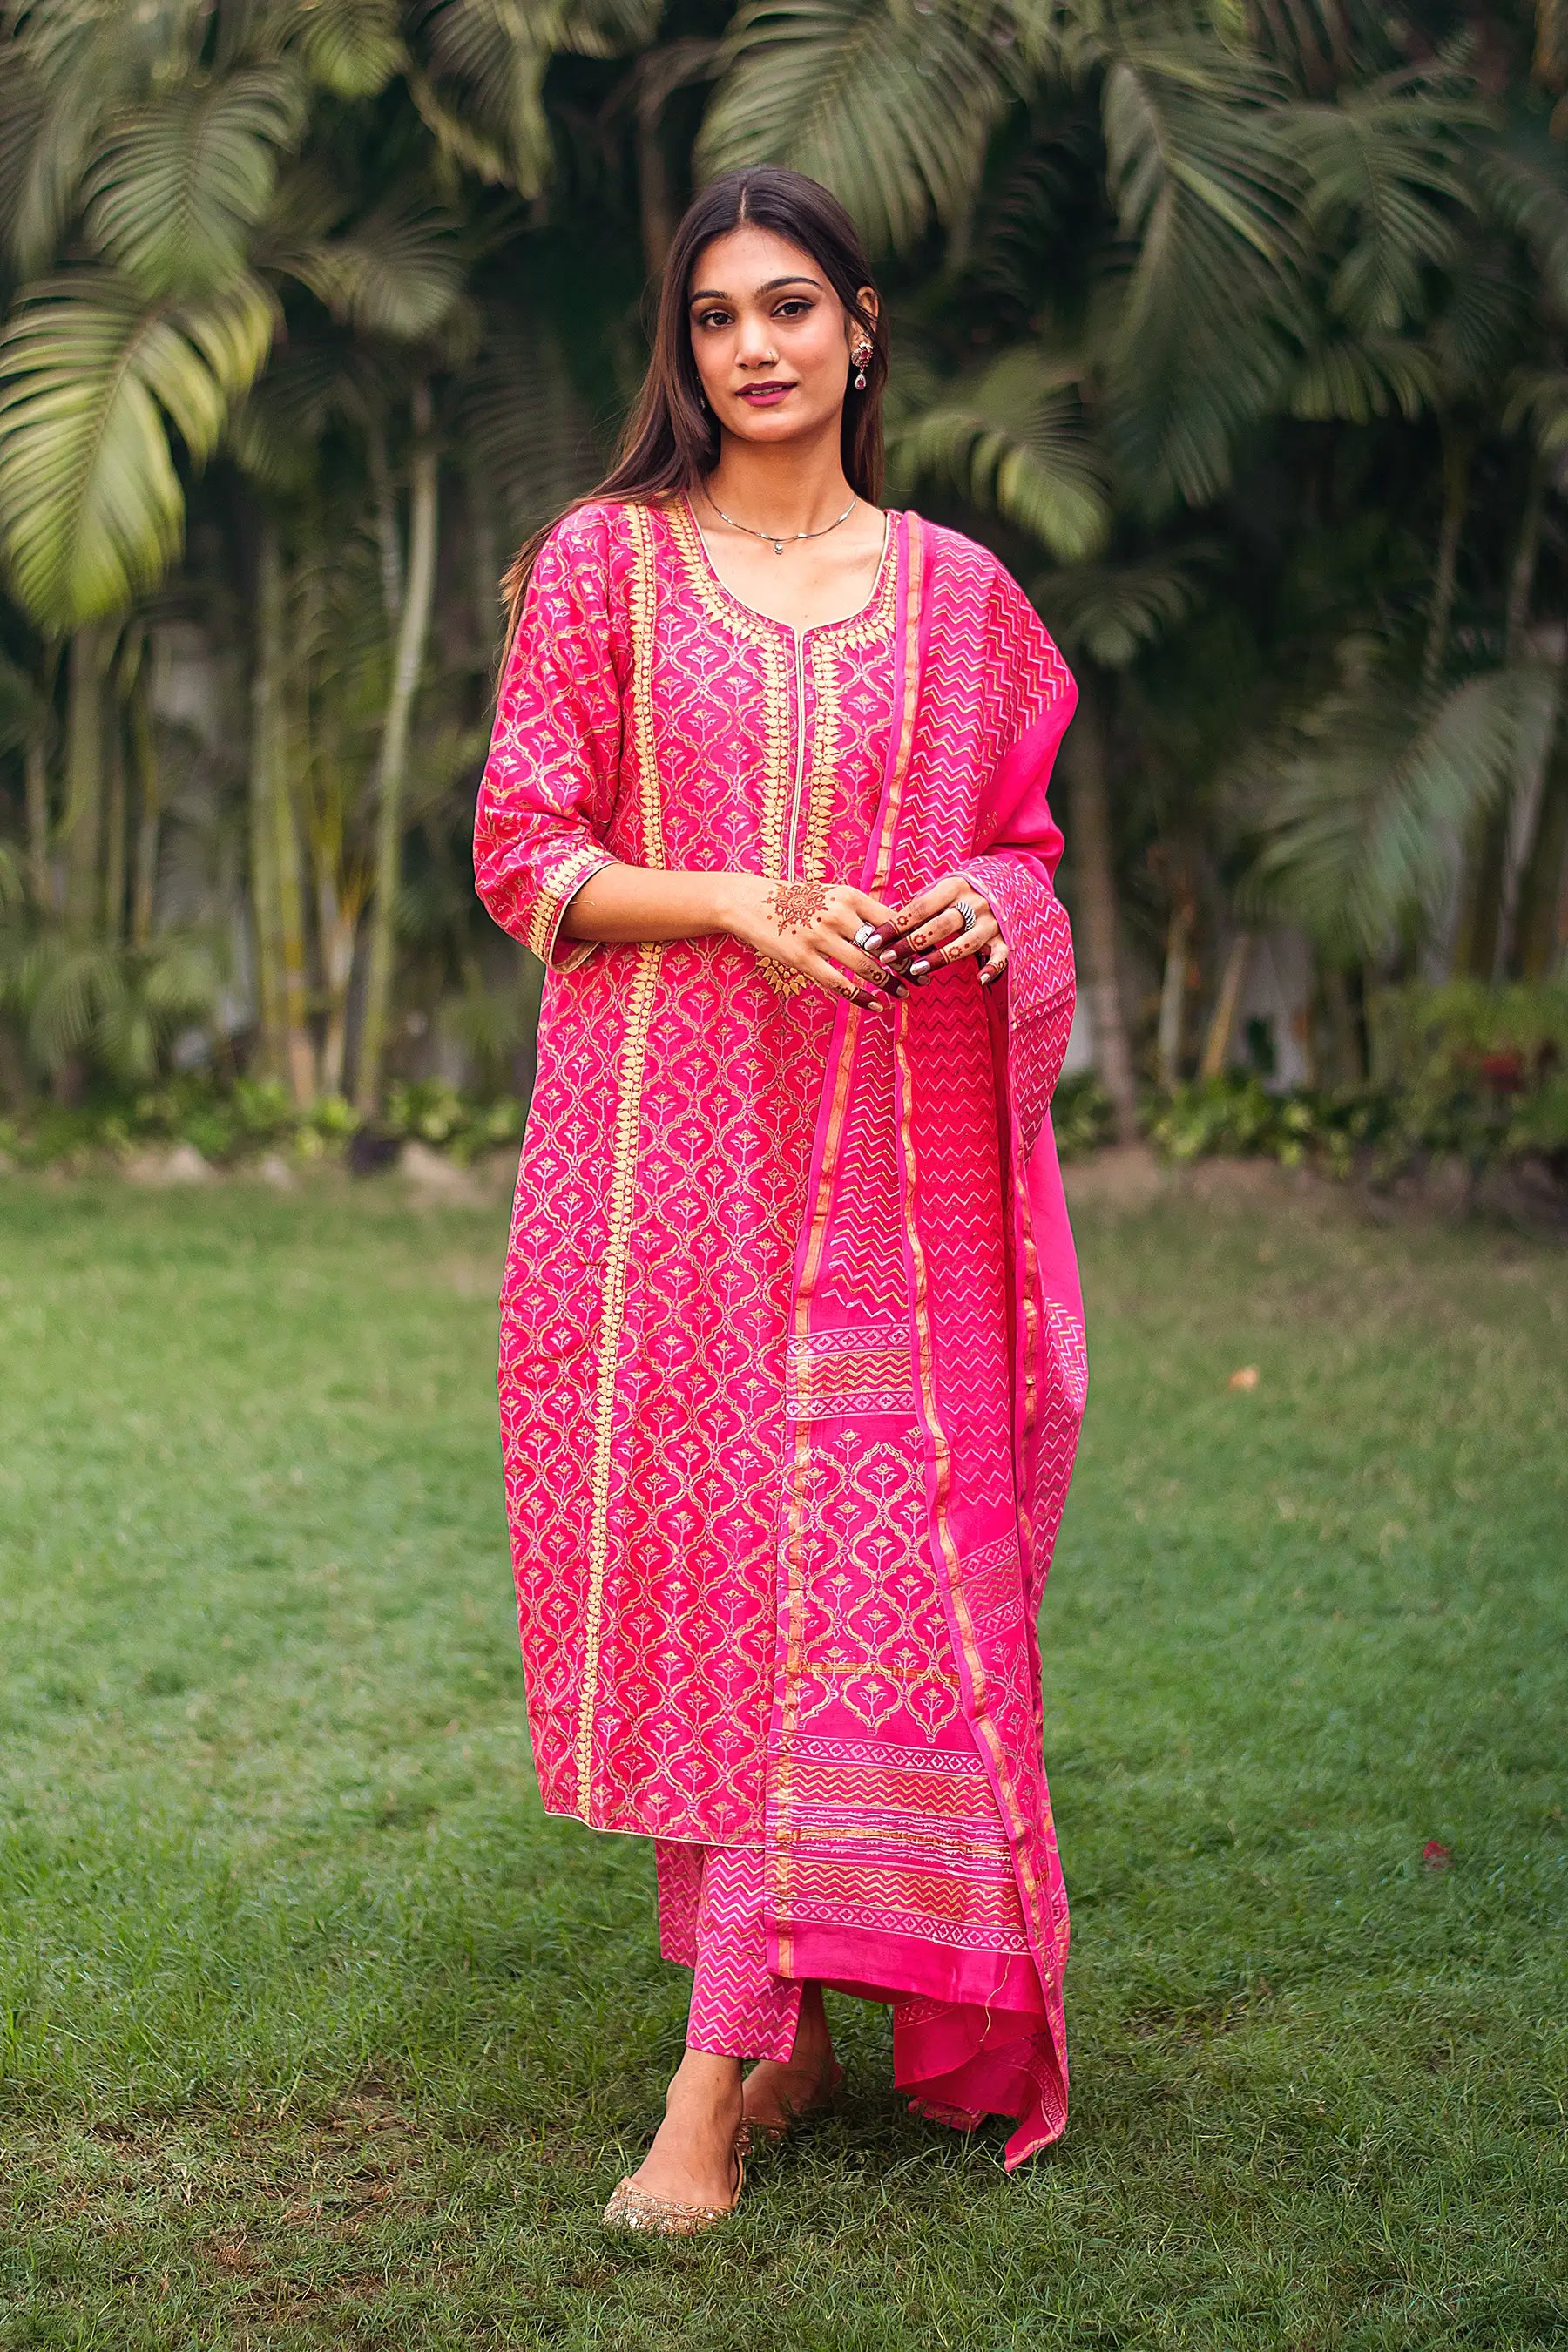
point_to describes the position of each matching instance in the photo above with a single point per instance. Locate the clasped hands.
(861, 947)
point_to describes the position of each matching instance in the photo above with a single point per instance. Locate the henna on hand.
(795, 906)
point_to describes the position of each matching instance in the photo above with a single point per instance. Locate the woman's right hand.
(810, 927)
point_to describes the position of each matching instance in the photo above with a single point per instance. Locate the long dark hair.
(670, 439)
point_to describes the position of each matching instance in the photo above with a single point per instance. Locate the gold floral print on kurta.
(806, 673)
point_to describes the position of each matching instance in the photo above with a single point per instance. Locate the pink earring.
(860, 354)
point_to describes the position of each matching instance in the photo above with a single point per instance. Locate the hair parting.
(670, 439)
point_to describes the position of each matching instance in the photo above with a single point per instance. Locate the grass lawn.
(314, 2032)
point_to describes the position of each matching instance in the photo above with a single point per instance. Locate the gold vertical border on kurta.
(628, 1118)
(811, 1267)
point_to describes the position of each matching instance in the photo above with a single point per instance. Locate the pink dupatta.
(982, 699)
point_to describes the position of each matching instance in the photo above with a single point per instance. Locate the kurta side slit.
(778, 1358)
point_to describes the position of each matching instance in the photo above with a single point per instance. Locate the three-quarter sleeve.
(550, 782)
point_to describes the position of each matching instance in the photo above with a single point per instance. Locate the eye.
(794, 305)
(713, 317)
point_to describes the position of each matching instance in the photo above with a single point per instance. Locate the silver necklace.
(776, 541)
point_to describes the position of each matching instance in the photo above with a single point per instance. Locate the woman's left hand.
(928, 932)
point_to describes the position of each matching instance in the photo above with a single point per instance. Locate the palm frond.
(1206, 187)
(480, 85)
(72, 64)
(888, 103)
(91, 376)
(177, 188)
(115, 1005)
(1388, 188)
(1538, 398)
(352, 48)
(1360, 806)
(1488, 304)
(522, 426)
(1522, 179)
(1112, 612)
(1014, 438)
(398, 272)
(1356, 379)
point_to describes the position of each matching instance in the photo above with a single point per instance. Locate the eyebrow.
(717, 293)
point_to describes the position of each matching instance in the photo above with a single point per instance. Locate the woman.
(792, 1354)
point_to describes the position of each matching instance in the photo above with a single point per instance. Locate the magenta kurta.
(791, 1351)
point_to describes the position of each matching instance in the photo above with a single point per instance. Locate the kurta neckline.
(770, 620)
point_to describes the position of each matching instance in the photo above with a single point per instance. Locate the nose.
(756, 344)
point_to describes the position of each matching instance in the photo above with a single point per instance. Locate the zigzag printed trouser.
(711, 1921)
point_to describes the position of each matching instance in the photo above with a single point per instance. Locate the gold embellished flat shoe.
(757, 2132)
(665, 2217)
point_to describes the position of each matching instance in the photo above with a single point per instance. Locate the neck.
(780, 487)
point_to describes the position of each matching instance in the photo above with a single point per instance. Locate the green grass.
(314, 2032)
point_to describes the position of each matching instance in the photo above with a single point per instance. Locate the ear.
(867, 296)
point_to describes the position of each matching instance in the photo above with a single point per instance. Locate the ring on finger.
(865, 933)
(968, 915)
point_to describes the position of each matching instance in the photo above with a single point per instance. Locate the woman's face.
(769, 336)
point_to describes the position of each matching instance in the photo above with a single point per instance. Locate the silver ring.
(968, 914)
(866, 931)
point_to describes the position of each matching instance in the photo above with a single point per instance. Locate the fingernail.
(888, 955)
(875, 940)
(918, 970)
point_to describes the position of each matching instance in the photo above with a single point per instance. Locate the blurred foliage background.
(1239, 330)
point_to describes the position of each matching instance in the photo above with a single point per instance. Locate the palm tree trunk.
(656, 207)
(114, 828)
(1216, 1044)
(299, 1050)
(1174, 991)
(486, 566)
(35, 784)
(1345, 1038)
(387, 549)
(413, 631)
(265, 689)
(1094, 875)
(1520, 817)
(1541, 928)
(148, 811)
(336, 927)
(1443, 950)
(1445, 579)
(83, 824)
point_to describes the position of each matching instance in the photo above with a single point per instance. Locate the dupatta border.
(1037, 1905)
(623, 1159)
(910, 561)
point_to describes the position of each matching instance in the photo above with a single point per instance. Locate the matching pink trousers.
(711, 1921)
